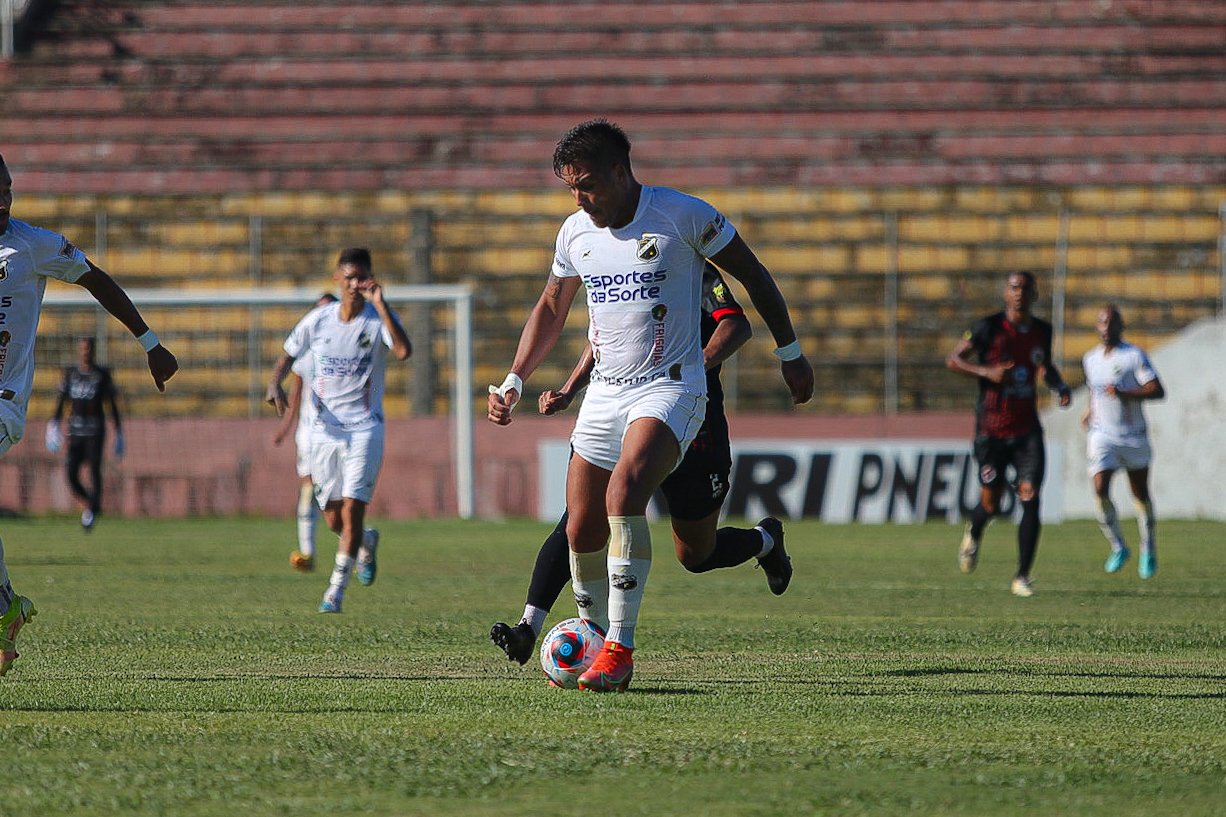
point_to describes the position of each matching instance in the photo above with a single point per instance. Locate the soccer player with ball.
(28, 257)
(695, 491)
(639, 252)
(348, 342)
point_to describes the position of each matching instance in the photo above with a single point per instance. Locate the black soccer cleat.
(517, 642)
(777, 565)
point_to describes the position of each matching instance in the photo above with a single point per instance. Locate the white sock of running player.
(629, 564)
(369, 543)
(768, 541)
(534, 617)
(1146, 525)
(589, 578)
(308, 513)
(1109, 522)
(340, 574)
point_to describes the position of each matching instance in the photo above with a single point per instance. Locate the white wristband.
(789, 352)
(511, 381)
(148, 340)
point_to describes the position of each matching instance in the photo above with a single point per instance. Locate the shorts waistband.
(672, 373)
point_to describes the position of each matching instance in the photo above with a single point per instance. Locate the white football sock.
(308, 513)
(366, 551)
(1146, 524)
(629, 564)
(768, 541)
(1109, 522)
(589, 578)
(534, 617)
(340, 573)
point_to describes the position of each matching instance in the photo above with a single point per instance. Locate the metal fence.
(878, 299)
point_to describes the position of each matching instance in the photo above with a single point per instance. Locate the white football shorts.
(609, 410)
(1104, 453)
(345, 464)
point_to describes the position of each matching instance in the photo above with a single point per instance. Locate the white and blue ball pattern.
(568, 649)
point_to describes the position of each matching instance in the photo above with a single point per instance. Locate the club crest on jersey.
(364, 341)
(1036, 356)
(4, 269)
(649, 248)
(658, 312)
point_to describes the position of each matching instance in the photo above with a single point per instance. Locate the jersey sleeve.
(58, 257)
(705, 227)
(1144, 372)
(717, 299)
(299, 339)
(562, 266)
(980, 334)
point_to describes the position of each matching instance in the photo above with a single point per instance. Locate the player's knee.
(1026, 492)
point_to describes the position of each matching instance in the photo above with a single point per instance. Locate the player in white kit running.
(639, 253)
(299, 417)
(348, 344)
(1120, 378)
(28, 257)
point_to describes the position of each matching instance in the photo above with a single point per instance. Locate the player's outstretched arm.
(539, 336)
(275, 394)
(290, 419)
(111, 297)
(739, 261)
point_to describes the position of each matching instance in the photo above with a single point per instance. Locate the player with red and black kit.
(1007, 352)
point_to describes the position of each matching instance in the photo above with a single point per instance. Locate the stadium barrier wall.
(185, 467)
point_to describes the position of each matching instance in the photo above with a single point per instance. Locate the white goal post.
(458, 296)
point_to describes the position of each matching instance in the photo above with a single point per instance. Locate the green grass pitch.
(180, 668)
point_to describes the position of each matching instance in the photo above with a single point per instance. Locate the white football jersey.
(28, 257)
(349, 361)
(1126, 367)
(644, 285)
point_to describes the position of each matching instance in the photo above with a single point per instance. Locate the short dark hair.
(596, 142)
(326, 297)
(1031, 279)
(358, 256)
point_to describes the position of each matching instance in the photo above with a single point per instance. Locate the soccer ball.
(569, 649)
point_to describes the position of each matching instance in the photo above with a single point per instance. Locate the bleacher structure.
(889, 161)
